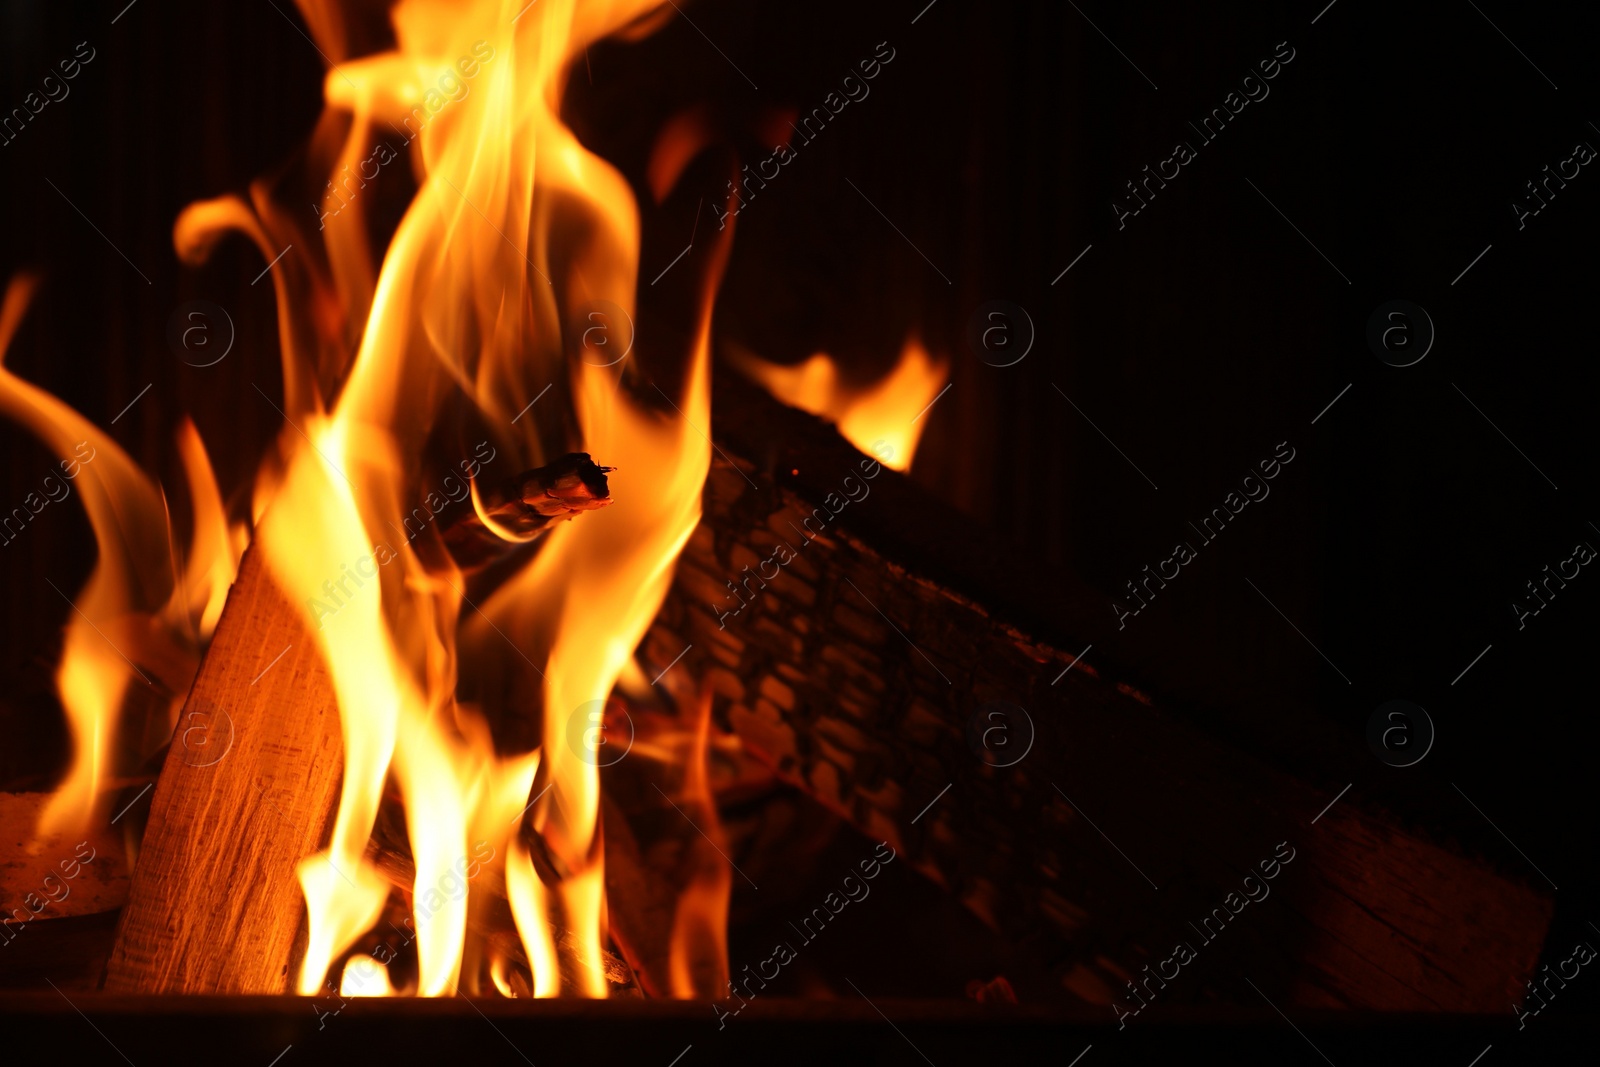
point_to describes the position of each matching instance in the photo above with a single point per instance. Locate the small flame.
(364, 977)
(699, 948)
(884, 419)
(499, 976)
(214, 551)
(529, 907)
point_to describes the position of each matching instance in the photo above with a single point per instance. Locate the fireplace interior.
(568, 528)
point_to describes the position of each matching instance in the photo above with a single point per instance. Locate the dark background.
(1196, 338)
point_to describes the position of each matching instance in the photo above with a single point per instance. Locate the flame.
(530, 907)
(498, 969)
(699, 948)
(214, 551)
(885, 419)
(609, 576)
(364, 977)
(312, 536)
(464, 305)
(134, 606)
(462, 312)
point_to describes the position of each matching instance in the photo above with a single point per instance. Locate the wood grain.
(247, 791)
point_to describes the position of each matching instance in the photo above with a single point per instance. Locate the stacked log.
(861, 640)
(866, 680)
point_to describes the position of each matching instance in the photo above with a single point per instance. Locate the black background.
(1196, 338)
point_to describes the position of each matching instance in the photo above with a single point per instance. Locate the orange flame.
(464, 304)
(699, 949)
(214, 549)
(134, 605)
(884, 419)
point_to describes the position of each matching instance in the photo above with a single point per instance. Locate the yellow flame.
(464, 304)
(214, 552)
(884, 419)
(364, 977)
(313, 537)
(608, 577)
(129, 614)
(530, 908)
(498, 968)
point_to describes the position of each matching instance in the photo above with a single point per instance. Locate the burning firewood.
(214, 905)
(881, 732)
(522, 508)
(491, 918)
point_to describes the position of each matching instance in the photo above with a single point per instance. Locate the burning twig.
(525, 507)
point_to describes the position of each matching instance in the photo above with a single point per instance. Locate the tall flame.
(138, 604)
(468, 305)
(465, 304)
(608, 577)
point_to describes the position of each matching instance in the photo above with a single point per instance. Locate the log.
(57, 876)
(247, 791)
(61, 892)
(857, 663)
(214, 905)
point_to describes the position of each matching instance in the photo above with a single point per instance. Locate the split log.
(858, 660)
(247, 791)
(214, 905)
